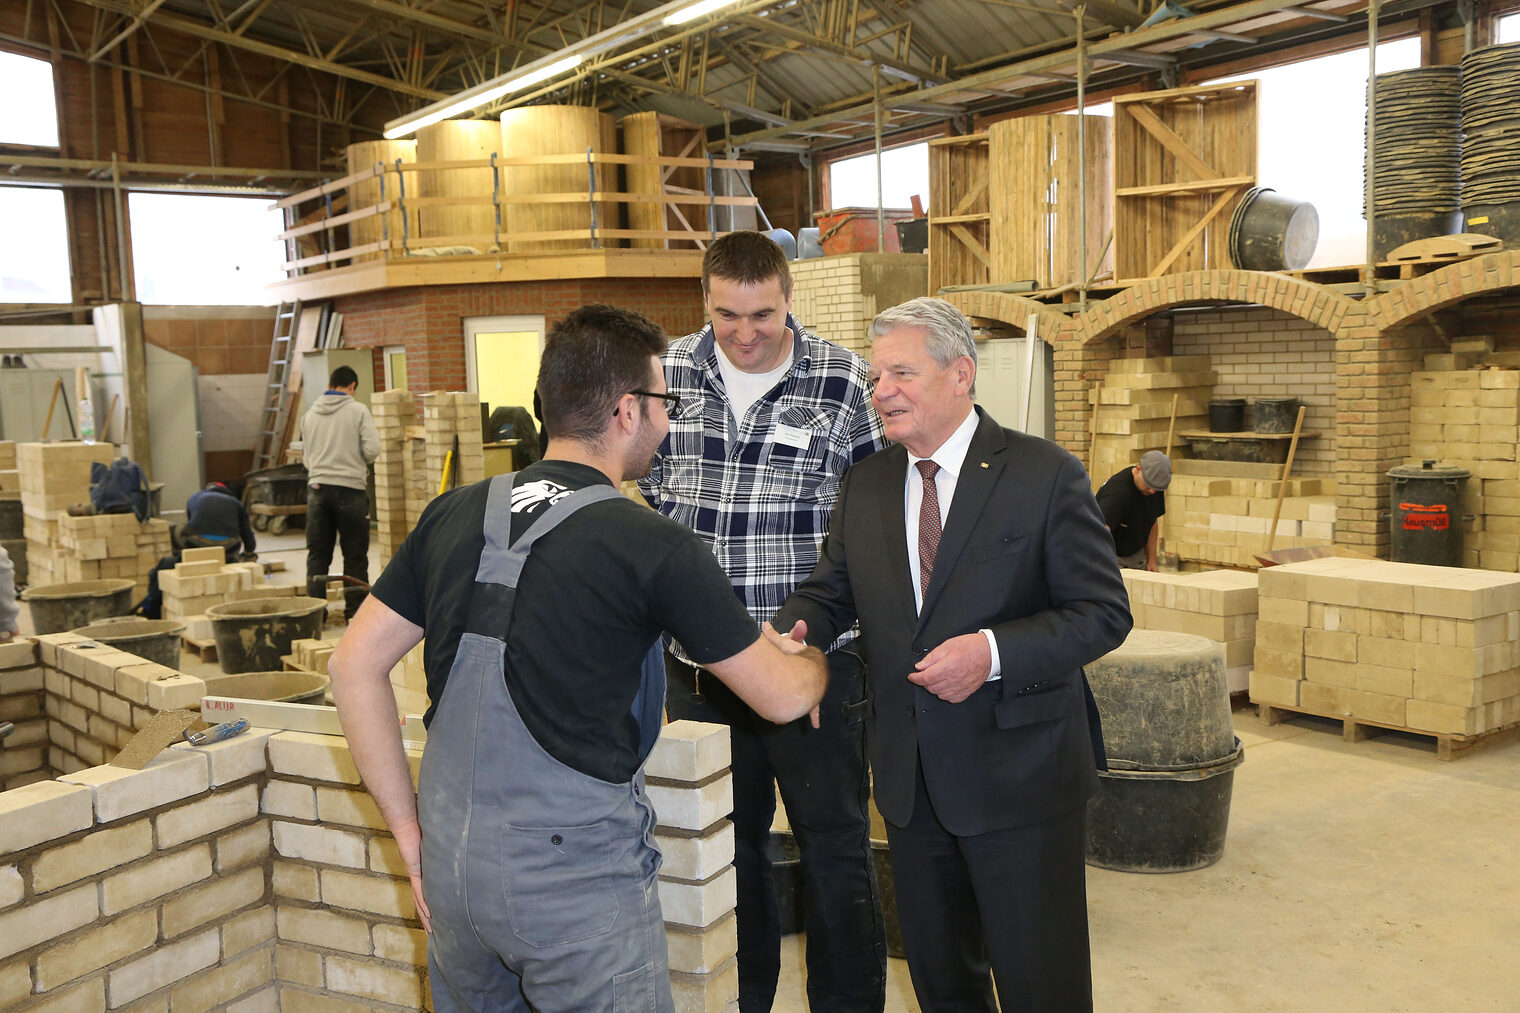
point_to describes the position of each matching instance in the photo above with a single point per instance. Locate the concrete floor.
(1356, 877)
(1362, 876)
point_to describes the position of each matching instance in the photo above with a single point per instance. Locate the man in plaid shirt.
(770, 417)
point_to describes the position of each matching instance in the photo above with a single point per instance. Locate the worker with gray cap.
(1132, 501)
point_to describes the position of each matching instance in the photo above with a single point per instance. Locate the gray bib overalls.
(541, 880)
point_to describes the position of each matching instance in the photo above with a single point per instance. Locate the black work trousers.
(336, 513)
(821, 773)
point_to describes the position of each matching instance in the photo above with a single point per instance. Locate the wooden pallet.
(1448, 747)
(203, 649)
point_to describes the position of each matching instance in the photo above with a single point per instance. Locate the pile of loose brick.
(53, 477)
(1220, 511)
(1429, 648)
(1218, 604)
(12, 538)
(204, 578)
(1132, 407)
(311, 655)
(1470, 418)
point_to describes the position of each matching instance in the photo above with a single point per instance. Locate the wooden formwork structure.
(1035, 213)
(1182, 160)
(654, 134)
(959, 211)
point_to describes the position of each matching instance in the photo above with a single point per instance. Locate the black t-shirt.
(1128, 512)
(594, 595)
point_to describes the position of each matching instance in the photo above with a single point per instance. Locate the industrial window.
(190, 250)
(29, 114)
(34, 265)
(904, 174)
(1310, 139)
(1507, 29)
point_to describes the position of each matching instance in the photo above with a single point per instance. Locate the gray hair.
(947, 332)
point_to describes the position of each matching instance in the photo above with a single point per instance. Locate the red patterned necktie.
(928, 525)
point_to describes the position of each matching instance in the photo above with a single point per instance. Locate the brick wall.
(837, 297)
(430, 321)
(1267, 353)
(256, 874)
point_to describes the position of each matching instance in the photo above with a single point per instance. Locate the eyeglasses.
(672, 402)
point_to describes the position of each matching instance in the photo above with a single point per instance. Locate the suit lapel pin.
(984, 464)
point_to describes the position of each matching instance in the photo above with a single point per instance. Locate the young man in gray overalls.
(530, 842)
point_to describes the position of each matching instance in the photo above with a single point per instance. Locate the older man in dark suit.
(983, 578)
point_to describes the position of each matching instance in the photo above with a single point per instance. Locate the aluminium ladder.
(276, 413)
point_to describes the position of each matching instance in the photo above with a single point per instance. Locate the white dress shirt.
(951, 458)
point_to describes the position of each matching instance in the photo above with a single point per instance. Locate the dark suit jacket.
(1024, 553)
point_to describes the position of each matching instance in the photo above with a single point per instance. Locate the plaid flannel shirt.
(761, 504)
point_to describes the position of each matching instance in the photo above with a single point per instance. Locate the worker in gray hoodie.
(339, 443)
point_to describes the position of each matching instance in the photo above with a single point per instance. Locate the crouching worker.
(543, 596)
(215, 518)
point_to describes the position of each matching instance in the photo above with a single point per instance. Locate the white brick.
(163, 966)
(234, 759)
(693, 808)
(401, 944)
(116, 940)
(218, 812)
(264, 1001)
(354, 808)
(119, 792)
(46, 919)
(247, 930)
(400, 987)
(94, 854)
(149, 880)
(318, 757)
(42, 812)
(176, 692)
(698, 951)
(323, 928)
(286, 798)
(696, 857)
(213, 901)
(15, 984)
(11, 886)
(689, 751)
(699, 904)
(243, 846)
(381, 895)
(318, 844)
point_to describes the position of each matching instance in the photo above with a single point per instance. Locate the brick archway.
(1302, 299)
(1424, 295)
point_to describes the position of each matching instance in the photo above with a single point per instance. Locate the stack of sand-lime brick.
(451, 423)
(1132, 408)
(53, 477)
(110, 545)
(1470, 418)
(837, 297)
(1218, 604)
(1429, 648)
(1220, 511)
(394, 414)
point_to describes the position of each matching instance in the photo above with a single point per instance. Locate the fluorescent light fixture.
(480, 95)
(696, 10)
(639, 27)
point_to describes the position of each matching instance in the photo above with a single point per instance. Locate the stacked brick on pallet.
(204, 578)
(1212, 517)
(447, 415)
(53, 476)
(692, 791)
(394, 413)
(1132, 408)
(1470, 418)
(311, 655)
(837, 297)
(12, 538)
(110, 545)
(1218, 604)
(1429, 648)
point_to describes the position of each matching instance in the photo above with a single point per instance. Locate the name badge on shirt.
(793, 436)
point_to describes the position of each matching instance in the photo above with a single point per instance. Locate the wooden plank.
(313, 719)
(336, 255)
(958, 181)
(1195, 186)
(973, 244)
(336, 220)
(326, 188)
